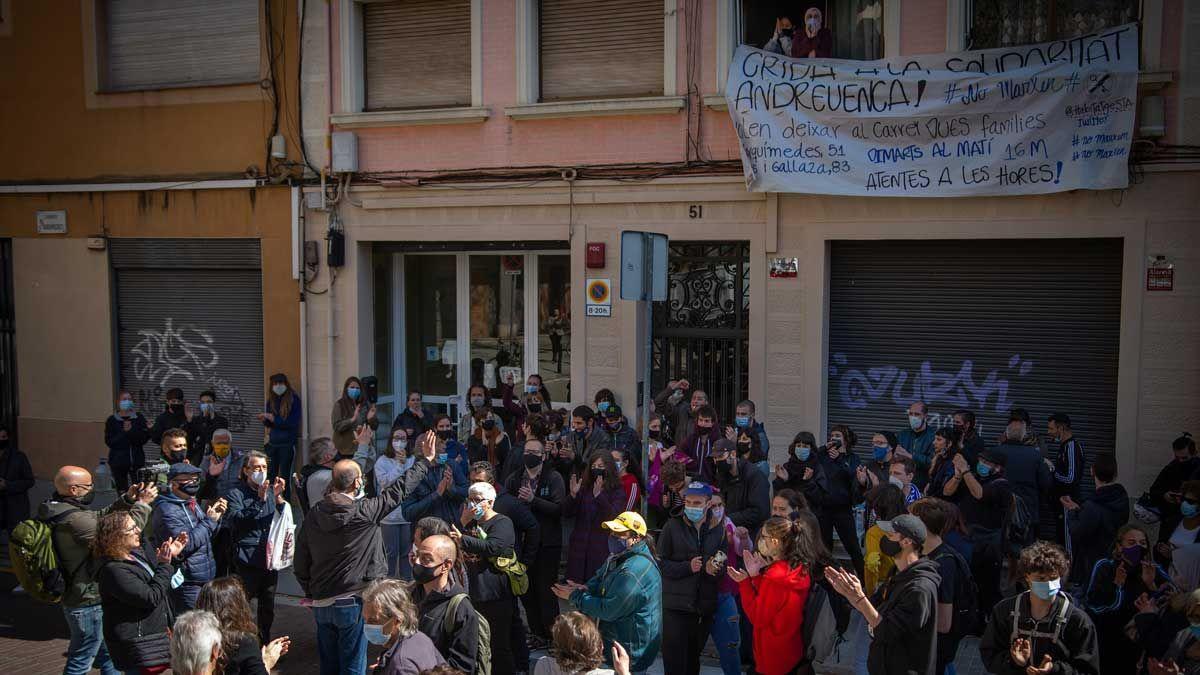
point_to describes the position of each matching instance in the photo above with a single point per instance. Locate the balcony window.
(856, 25)
(595, 49)
(1004, 23)
(161, 44)
(416, 54)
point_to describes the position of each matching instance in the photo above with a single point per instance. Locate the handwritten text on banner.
(1021, 120)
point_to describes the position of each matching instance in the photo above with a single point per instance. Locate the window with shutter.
(593, 49)
(159, 44)
(1004, 23)
(417, 54)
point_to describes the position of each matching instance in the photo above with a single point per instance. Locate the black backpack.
(1017, 528)
(966, 596)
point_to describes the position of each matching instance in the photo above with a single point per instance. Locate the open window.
(856, 25)
(1003, 23)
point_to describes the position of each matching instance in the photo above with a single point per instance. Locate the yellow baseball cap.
(627, 522)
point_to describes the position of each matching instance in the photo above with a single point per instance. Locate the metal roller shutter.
(149, 44)
(417, 53)
(985, 325)
(181, 325)
(601, 48)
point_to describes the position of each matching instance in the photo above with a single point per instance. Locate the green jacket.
(73, 535)
(625, 597)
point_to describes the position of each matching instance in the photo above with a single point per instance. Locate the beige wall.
(1158, 383)
(64, 351)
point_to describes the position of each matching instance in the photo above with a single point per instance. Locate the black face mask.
(599, 473)
(488, 425)
(534, 407)
(445, 434)
(889, 548)
(785, 32)
(655, 434)
(190, 489)
(176, 408)
(424, 574)
(533, 461)
(176, 457)
(86, 499)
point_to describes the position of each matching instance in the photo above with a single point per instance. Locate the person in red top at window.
(814, 41)
(774, 587)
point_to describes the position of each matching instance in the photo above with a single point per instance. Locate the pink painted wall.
(580, 141)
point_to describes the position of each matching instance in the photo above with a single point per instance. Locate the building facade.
(491, 183)
(148, 232)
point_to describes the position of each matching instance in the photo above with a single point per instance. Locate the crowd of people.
(457, 549)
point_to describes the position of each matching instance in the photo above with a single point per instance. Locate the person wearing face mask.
(629, 471)
(697, 446)
(1187, 530)
(781, 39)
(747, 494)
(916, 441)
(446, 612)
(489, 442)
(544, 491)
(73, 525)
(1172, 636)
(1027, 471)
(802, 471)
(625, 595)
(338, 552)
(440, 488)
(485, 536)
(125, 432)
(177, 512)
(173, 416)
(985, 497)
(595, 497)
(477, 401)
(966, 436)
(397, 532)
(681, 405)
(351, 411)
(941, 466)
(603, 400)
(1116, 584)
(836, 511)
(281, 415)
(313, 478)
(174, 450)
(1042, 629)
(201, 423)
(726, 630)
(902, 613)
(900, 473)
(533, 399)
(690, 550)
(1067, 472)
(813, 41)
(619, 436)
(391, 621)
(1095, 522)
(577, 444)
(253, 502)
(1165, 493)
(16, 479)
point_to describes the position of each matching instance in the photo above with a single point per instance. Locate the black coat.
(1094, 528)
(125, 447)
(458, 646)
(526, 526)
(137, 610)
(814, 489)
(1075, 652)
(244, 658)
(684, 590)
(18, 480)
(549, 497)
(906, 639)
(747, 496)
(1028, 473)
(486, 582)
(166, 421)
(842, 491)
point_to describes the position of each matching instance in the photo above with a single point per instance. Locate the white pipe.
(298, 234)
(131, 187)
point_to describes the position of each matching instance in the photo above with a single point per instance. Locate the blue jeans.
(340, 641)
(397, 540)
(281, 458)
(861, 642)
(726, 633)
(87, 641)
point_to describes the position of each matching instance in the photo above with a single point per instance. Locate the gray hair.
(222, 432)
(391, 598)
(322, 449)
(196, 635)
(482, 491)
(1015, 431)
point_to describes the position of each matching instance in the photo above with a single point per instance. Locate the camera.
(370, 385)
(152, 474)
(719, 558)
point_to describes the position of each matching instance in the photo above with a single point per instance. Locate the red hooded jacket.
(774, 603)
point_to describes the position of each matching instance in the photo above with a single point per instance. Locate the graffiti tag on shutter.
(859, 388)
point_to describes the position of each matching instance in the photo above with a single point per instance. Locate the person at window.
(630, 474)
(201, 424)
(813, 41)
(781, 39)
(351, 411)
(135, 589)
(680, 406)
(985, 500)
(414, 416)
(1094, 523)
(173, 416)
(698, 446)
(390, 620)
(619, 436)
(595, 497)
(556, 327)
(966, 435)
(543, 490)
(746, 491)
(941, 465)
(395, 528)
(903, 613)
(955, 586)
(176, 511)
(125, 433)
(477, 401)
(1026, 469)
(1067, 472)
(916, 440)
(1042, 630)
(688, 550)
(253, 502)
(1165, 491)
(489, 442)
(447, 615)
(485, 536)
(440, 487)
(241, 653)
(837, 509)
(16, 480)
(281, 415)
(1116, 583)
(578, 649)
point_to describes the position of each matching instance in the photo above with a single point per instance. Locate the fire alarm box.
(595, 255)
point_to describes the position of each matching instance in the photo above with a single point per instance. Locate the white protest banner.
(1022, 120)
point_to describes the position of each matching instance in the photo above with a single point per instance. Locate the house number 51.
(696, 211)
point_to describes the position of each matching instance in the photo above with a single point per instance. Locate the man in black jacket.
(747, 494)
(173, 416)
(201, 424)
(903, 612)
(544, 491)
(447, 616)
(1094, 524)
(690, 575)
(1025, 469)
(338, 552)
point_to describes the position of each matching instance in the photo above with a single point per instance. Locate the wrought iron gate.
(701, 331)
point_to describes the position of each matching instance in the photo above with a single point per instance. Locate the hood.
(796, 578)
(332, 513)
(52, 509)
(924, 568)
(1112, 498)
(309, 469)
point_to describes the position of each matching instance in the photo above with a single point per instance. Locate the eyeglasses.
(86, 486)
(133, 529)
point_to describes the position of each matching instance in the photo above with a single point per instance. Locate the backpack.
(1060, 621)
(483, 650)
(966, 596)
(34, 560)
(1017, 528)
(820, 627)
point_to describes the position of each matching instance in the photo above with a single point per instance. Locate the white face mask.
(258, 477)
(279, 389)
(399, 445)
(813, 23)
